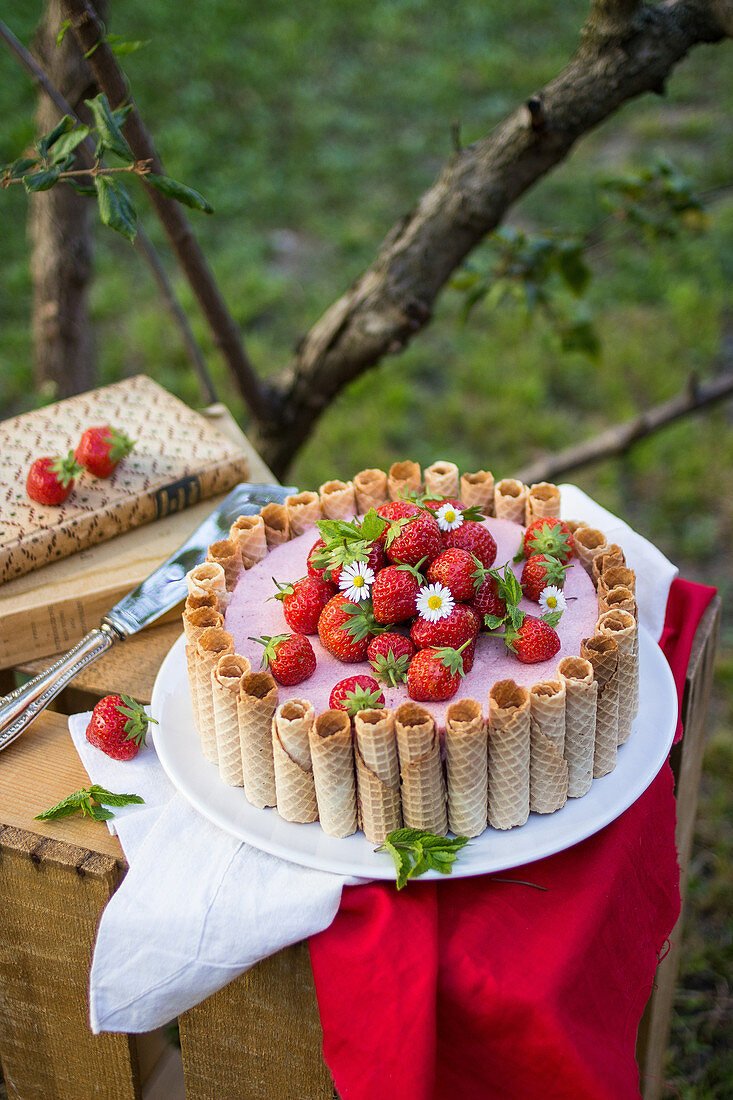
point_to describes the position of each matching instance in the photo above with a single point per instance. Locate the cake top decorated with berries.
(416, 599)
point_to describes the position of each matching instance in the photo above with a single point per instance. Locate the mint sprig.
(89, 802)
(416, 851)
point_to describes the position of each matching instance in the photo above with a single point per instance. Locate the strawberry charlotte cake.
(413, 648)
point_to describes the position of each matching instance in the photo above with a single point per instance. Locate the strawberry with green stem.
(118, 726)
(51, 478)
(345, 629)
(289, 657)
(549, 536)
(539, 571)
(435, 673)
(356, 693)
(303, 601)
(390, 655)
(102, 448)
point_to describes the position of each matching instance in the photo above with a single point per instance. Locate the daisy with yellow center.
(434, 602)
(449, 517)
(356, 580)
(552, 599)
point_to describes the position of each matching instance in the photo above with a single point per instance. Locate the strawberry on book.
(51, 478)
(289, 657)
(356, 693)
(435, 673)
(303, 601)
(390, 655)
(102, 448)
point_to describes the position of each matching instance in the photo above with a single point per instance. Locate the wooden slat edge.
(40, 849)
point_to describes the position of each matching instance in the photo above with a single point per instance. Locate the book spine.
(52, 544)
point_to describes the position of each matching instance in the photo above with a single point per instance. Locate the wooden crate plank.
(37, 771)
(260, 1037)
(47, 1048)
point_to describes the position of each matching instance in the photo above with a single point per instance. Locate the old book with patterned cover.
(178, 460)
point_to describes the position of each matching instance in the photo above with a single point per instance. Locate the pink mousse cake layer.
(252, 613)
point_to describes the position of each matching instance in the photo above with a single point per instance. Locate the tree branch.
(143, 244)
(111, 80)
(618, 439)
(393, 299)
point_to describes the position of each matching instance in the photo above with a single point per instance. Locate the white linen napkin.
(198, 907)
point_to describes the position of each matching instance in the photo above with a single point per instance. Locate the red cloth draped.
(474, 988)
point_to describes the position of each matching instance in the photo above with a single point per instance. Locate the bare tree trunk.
(58, 227)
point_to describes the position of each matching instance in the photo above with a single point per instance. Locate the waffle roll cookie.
(277, 524)
(589, 543)
(338, 499)
(612, 555)
(621, 626)
(616, 576)
(249, 534)
(304, 511)
(581, 692)
(195, 621)
(441, 479)
(256, 705)
(466, 759)
(332, 753)
(211, 644)
(421, 771)
(548, 768)
(196, 600)
(208, 578)
(377, 774)
(477, 490)
(370, 489)
(403, 478)
(227, 554)
(602, 652)
(510, 499)
(226, 677)
(543, 500)
(509, 754)
(294, 784)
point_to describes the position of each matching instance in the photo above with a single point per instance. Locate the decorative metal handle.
(18, 709)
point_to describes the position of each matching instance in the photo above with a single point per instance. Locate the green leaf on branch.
(62, 31)
(19, 167)
(69, 142)
(87, 189)
(175, 190)
(121, 47)
(42, 181)
(115, 207)
(108, 128)
(48, 140)
(573, 269)
(580, 335)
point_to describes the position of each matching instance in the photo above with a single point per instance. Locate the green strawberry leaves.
(91, 802)
(416, 851)
(137, 722)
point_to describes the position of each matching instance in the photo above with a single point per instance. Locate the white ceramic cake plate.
(639, 761)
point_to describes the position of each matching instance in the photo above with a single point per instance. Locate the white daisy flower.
(434, 602)
(552, 599)
(356, 581)
(449, 517)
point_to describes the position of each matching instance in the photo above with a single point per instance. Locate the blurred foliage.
(311, 136)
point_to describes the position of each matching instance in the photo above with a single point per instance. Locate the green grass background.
(312, 129)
